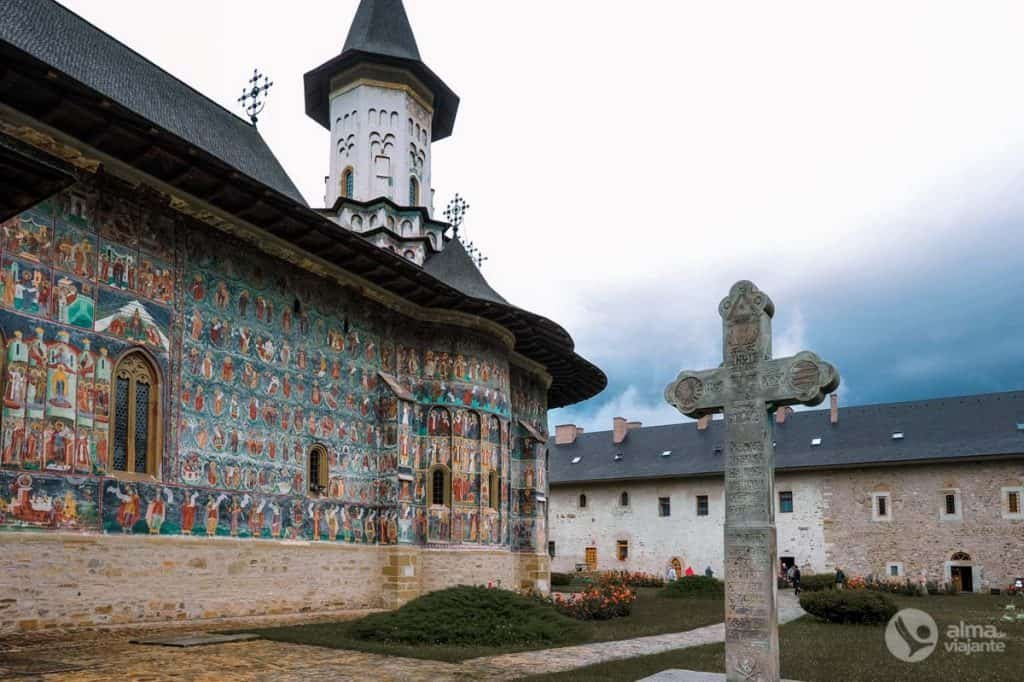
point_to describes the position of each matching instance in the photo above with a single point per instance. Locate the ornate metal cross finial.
(253, 97)
(456, 212)
(478, 257)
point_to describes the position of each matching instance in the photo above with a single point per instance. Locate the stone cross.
(748, 387)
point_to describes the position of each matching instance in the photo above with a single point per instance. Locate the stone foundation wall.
(69, 580)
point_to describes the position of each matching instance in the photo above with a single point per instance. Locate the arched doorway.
(960, 571)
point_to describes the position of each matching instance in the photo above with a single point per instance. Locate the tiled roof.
(946, 428)
(69, 44)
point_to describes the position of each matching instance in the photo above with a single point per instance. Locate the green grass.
(813, 651)
(488, 623)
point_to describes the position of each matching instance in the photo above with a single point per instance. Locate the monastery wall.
(920, 537)
(831, 523)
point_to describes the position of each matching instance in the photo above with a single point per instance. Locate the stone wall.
(831, 523)
(72, 580)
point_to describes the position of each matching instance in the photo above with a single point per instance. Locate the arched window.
(136, 415)
(348, 183)
(318, 469)
(440, 484)
(494, 489)
(414, 192)
(624, 499)
(583, 501)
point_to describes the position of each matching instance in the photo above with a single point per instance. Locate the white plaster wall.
(351, 143)
(653, 540)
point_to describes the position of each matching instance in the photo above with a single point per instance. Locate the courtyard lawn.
(813, 651)
(651, 615)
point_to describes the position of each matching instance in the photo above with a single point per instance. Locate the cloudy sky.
(627, 161)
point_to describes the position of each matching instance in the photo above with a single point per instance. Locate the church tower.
(384, 107)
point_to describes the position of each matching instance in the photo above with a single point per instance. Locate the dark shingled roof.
(82, 52)
(382, 27)
(946, 428)
(454, 267)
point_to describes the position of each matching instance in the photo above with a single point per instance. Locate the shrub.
(469, 616)
(781, 583)
(815, 582)
(894, 586)
(849, 606)
(601, 602)
(560, 579)
(693, 586)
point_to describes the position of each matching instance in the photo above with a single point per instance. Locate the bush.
(894, 586)
(469, 616)
(816, 582)
(602, 602)
(560, 579)
(849, 606)
(693, 586)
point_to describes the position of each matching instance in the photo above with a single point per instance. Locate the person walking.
(708, 572)
(840, 578)
(794, 577)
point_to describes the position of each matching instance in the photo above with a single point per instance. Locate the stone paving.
(107, 655)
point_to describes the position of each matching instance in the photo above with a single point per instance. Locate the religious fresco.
(33, 502)
(258, 363)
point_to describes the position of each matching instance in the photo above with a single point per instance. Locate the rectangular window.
(883, 509)
(551, 548)
(950, 504)
(702, 505)
(786, 502)
(623, 550)
(1013, 502)
(894, 570)
(664, 506)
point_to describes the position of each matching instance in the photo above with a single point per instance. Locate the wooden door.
(591, 558)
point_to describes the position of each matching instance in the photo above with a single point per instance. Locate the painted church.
(221, 401)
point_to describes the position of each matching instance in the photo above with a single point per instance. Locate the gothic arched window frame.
(414, 191)
(348, 182)
(439, 486)
(135, 368)
(318, 472)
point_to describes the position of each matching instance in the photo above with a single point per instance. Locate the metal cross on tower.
(455, 213)
(253, 97)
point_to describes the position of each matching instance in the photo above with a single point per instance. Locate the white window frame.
(696, 500)
(898, 565)
(959, 515)
(1004, 502)
(888, 506)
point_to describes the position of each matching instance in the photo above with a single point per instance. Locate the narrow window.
(883, 509)
(950, 504)
(1013, 502)
(494, 490)
(623, 550)
(551, 548)
(591, 558)
(624, 499)
(136, 416)
(440, 483)
(318, 470)
(583, 501)
(786, 502)
(894, 570)
(437, 487)
(348, 183)
(702, 505)
(664, 506)
(414, 192)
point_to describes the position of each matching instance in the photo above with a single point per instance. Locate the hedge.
(849, 606)
(693, 586)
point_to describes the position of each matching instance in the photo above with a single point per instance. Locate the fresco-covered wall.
(258, 361)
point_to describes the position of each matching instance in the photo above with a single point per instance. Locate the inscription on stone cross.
(748, 387)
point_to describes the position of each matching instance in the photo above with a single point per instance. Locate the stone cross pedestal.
(748, 387)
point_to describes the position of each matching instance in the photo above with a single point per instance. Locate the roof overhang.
(318, 88)
(26, 178)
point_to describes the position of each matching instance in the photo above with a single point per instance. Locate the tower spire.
(382, 27)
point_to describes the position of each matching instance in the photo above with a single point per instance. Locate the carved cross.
(748, 387)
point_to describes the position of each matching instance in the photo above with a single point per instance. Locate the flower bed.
(599, 602)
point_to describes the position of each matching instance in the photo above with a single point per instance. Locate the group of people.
(671, 575)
